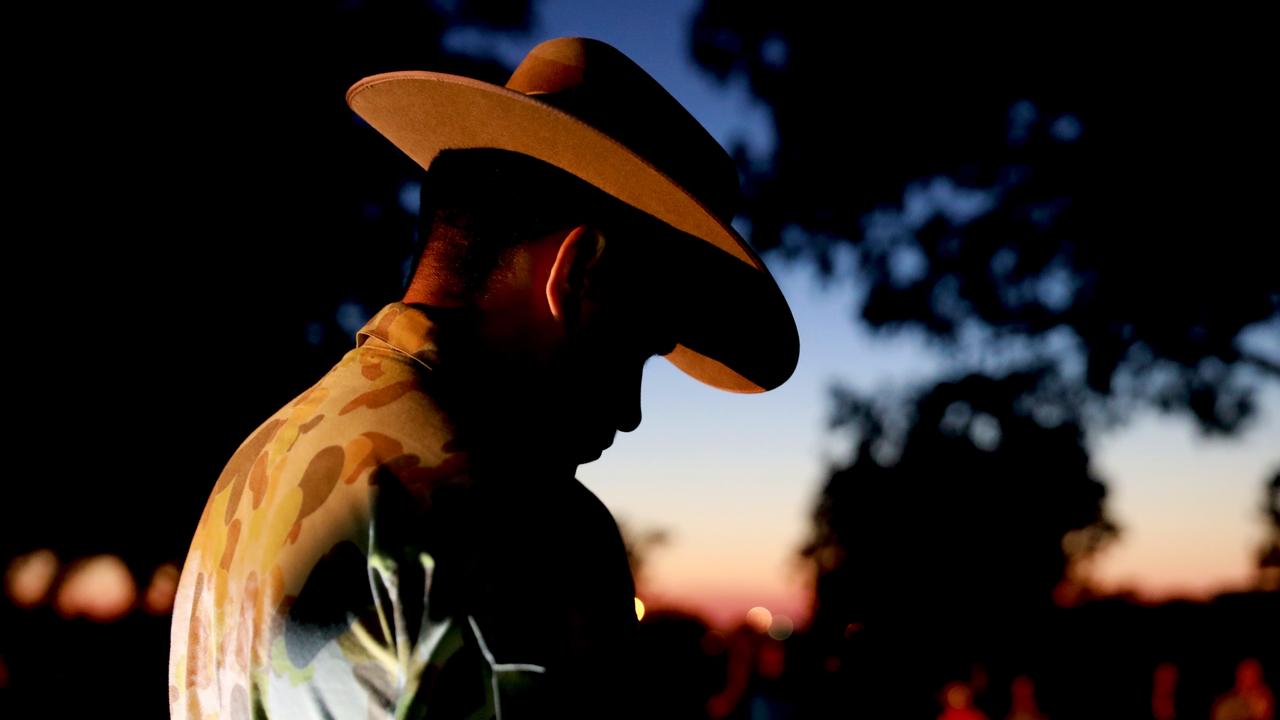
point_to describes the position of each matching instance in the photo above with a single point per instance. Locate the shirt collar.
(407, 329)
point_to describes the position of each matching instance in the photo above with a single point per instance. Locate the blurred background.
(1027, 467)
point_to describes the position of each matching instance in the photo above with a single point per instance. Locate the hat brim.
(734, 330)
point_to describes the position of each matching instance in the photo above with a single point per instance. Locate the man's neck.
(492, 393)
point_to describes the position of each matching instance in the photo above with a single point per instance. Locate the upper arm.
(374, 632)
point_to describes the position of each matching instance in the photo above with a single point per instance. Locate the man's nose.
(629, 419)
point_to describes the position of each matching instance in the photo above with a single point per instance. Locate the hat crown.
(601, 86)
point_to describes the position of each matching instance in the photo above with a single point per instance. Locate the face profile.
(610, 386)
(598, 369)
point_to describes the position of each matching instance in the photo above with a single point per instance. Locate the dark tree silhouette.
(1269, 556)
(1273, 501)
(1078, 203)
(942, 542)
(1081, 176)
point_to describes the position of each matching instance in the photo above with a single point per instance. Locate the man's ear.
(573, 272)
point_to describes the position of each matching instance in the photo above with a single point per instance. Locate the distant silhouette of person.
(1249, 699)
(768, 695)
(756, 686)
(1022, 704)
(406, 538)
(957, 703)
(1164, 692)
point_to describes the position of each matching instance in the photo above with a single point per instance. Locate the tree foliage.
(1104, 180)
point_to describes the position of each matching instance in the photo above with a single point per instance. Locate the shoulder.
(594, 513)
(292, 509)
(603, 543)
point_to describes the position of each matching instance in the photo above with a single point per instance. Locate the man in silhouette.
(406, 538)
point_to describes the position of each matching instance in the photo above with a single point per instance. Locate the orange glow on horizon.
(725, 609)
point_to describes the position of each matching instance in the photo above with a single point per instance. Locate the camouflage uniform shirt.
(353, 562)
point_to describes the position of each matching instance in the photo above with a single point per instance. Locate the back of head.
(478, 205)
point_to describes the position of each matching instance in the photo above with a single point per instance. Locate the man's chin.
(590, 455)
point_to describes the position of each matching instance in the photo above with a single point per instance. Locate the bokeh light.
(759, 619)
(158, 599)
(781, 627)
(99, 588)
(29, 577)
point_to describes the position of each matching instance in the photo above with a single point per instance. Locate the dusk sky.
(734, 478)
